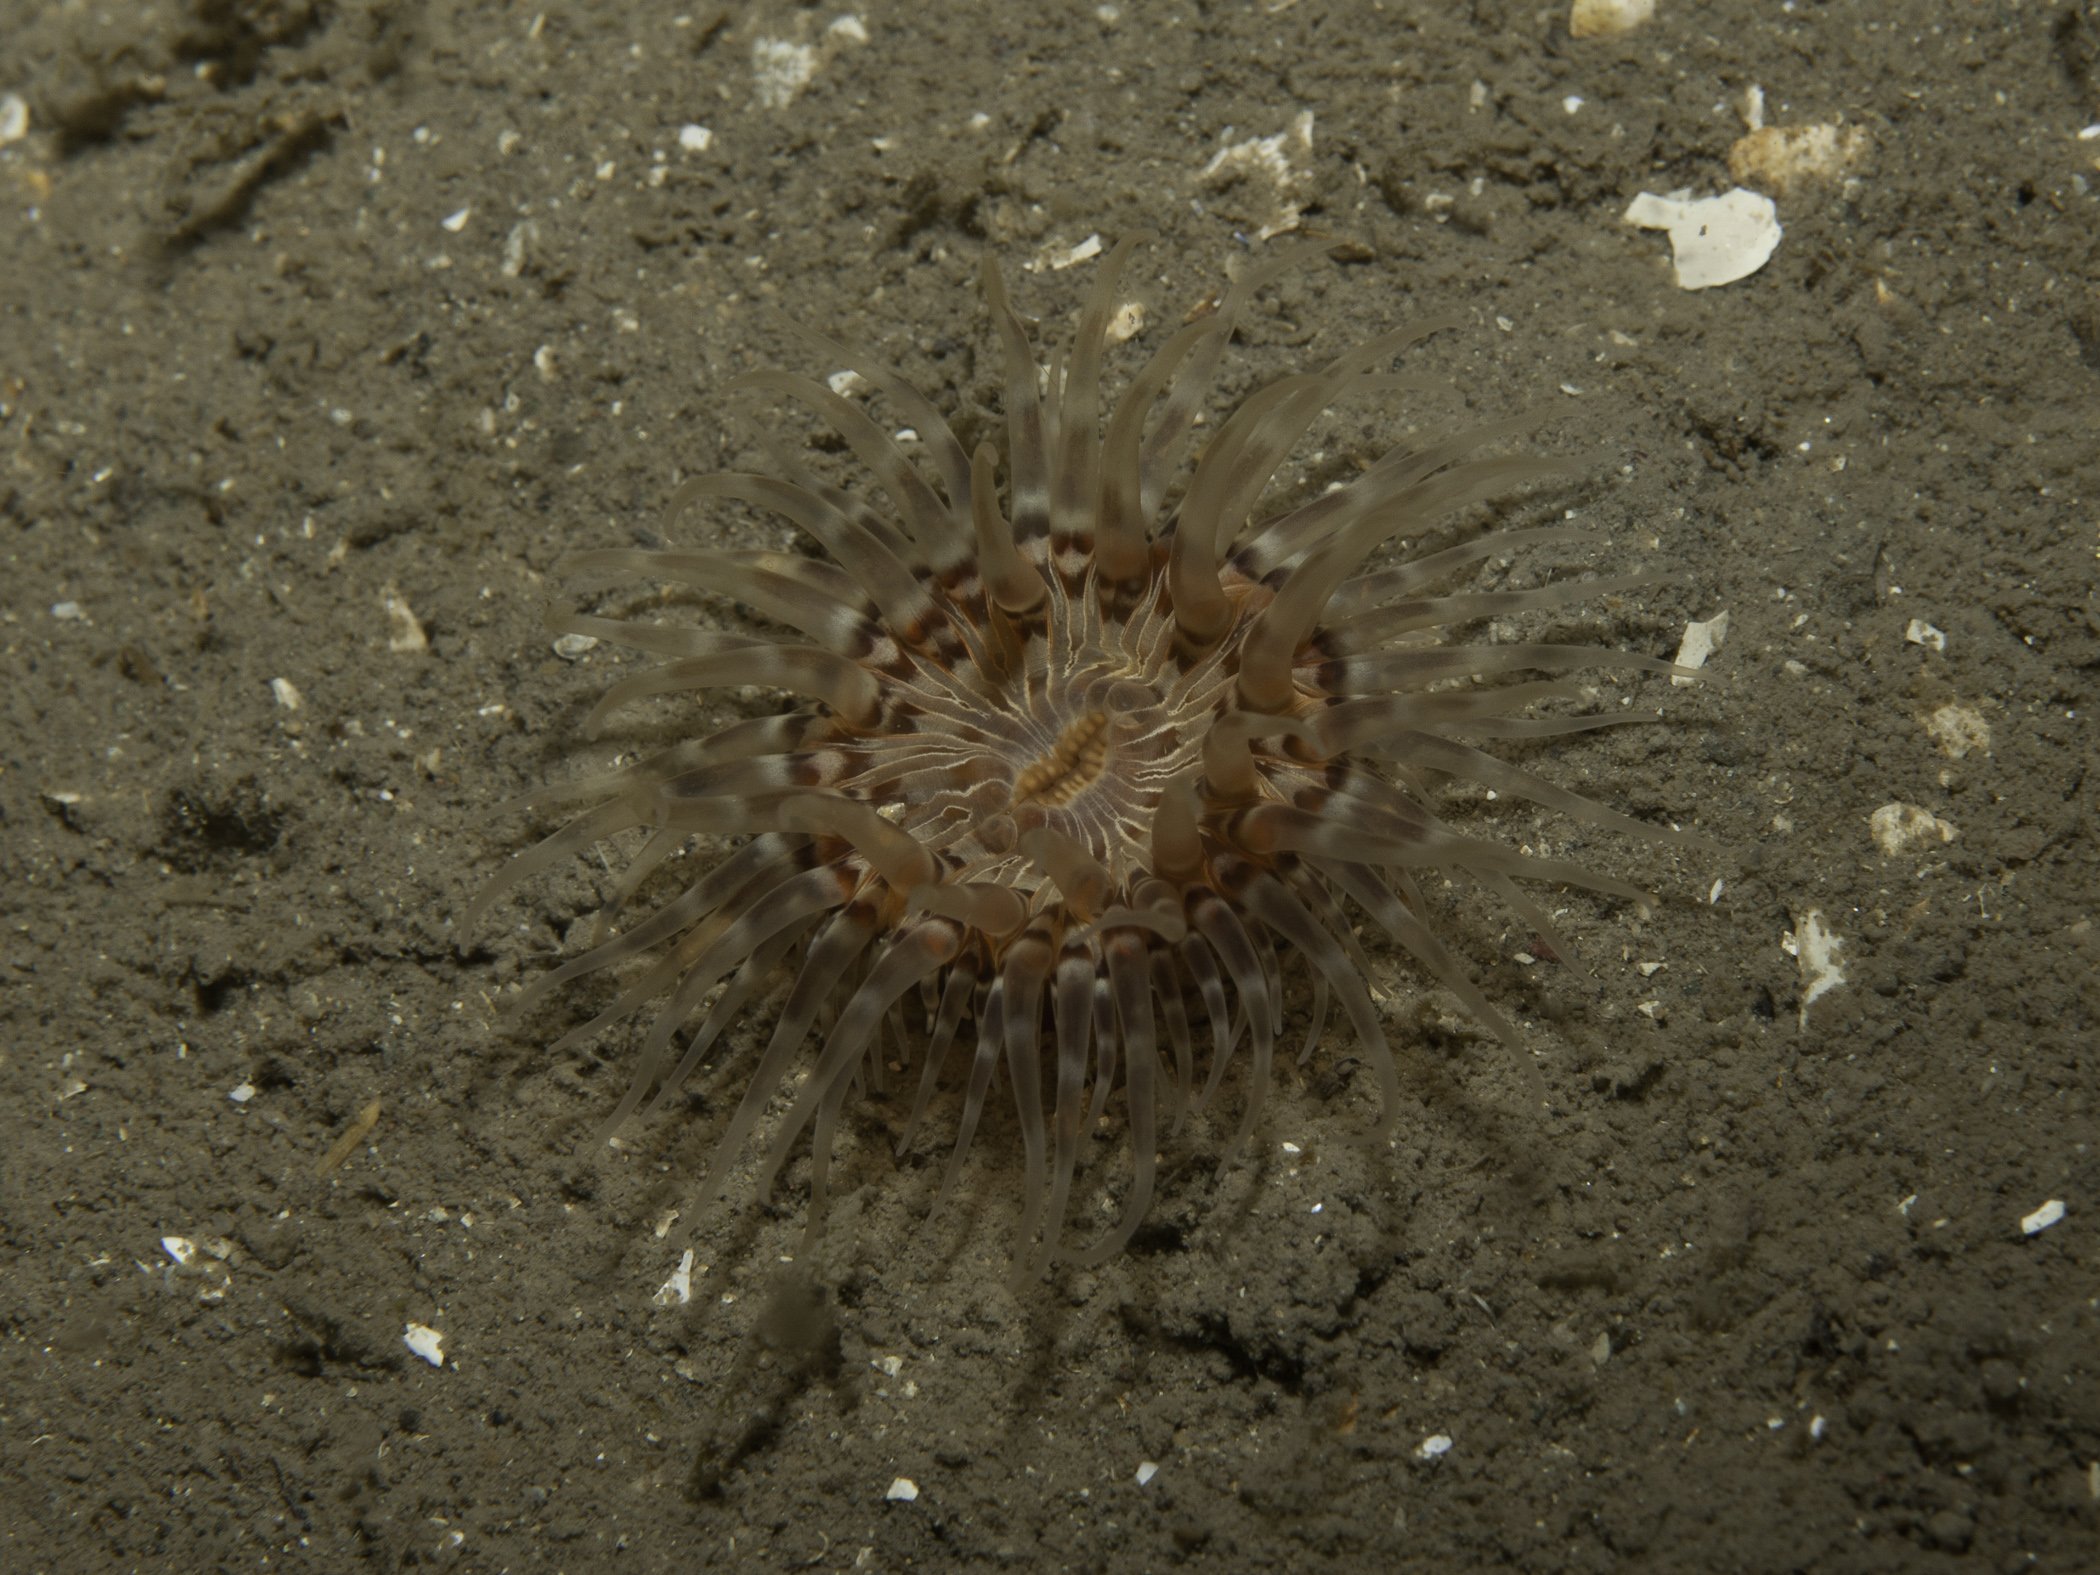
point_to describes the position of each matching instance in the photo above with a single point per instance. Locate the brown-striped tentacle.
(784, 587)
(1072, 1017)
(1419, 574)
(933, 530)
(889, 582)
(1369, 630)
(956, 993)
(830, 955)
(1073, 482)
(915, 953)
(848, 688)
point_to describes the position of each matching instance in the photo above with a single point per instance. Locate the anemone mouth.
(1074, 771)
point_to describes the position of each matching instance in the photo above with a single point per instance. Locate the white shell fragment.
(1715, 240)
(677, 1291)
(1701, 640)
(2042, 1218)
(287, 693)
(902, 1491)
(14, 118)
(1818, 946)
(1434, 1445)
(695, 138)
(572, 647)
(1920, 632)
(425, 1341)
(1607, 18)
(243, 1093)
(1266, 161)
(403, 632)
(1959, 730)
(1906, 828)
(1146, 1471)
(1060, 258)
(180, 1248)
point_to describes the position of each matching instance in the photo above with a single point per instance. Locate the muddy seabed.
(319, 318)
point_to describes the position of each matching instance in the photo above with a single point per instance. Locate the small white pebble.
(1818, 1426)
(14, 118)
(1434, 1445)
(902, 1491)
(1920, 632)
(455, 222)
(425, 1342)
(287, 693)
(180, 1248)
(244, 1093)
(1572, 103)
(695, 139)
(571, 646)
(847, 385)
(65, 612)
(1146, 1471)
(2042, 1218)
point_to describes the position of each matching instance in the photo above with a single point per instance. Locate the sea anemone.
(1074, 771)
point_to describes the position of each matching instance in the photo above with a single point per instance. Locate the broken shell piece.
(1072, 256)
(1779, 158)
(1605, 18)
(1266, 162)
(14, 118)
(1920, 632)
(571, 647)
(2042, 1218)
(403, 632)
(1715, 240)
(1959, 731)
(1906, 828)
(1701, 640)
(425, 1341)
(287, 693)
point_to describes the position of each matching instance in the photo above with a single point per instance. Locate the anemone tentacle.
(1071, 775)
